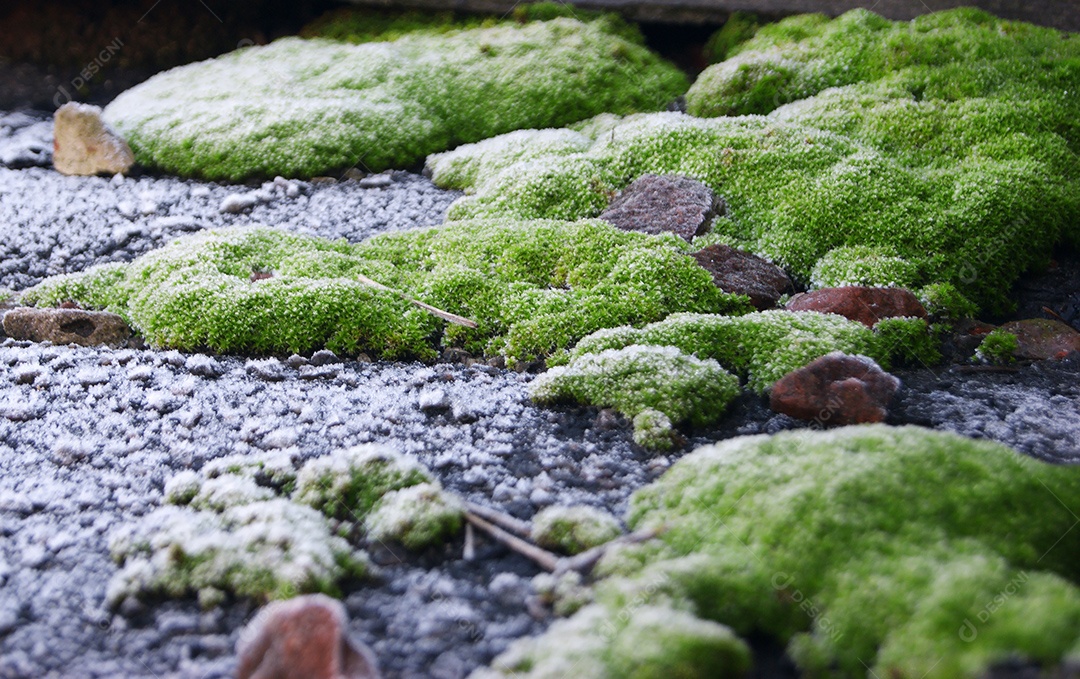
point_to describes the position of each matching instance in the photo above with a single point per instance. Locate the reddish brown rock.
(835, 390)
(67, 326)
(1042, 338)
(860, 303)
(744, 273)
(302, 638)
(655, 204)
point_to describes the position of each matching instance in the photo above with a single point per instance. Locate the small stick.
(469, 552)
(445, 315)
(584, 563)
(543, 558)
(516, 526)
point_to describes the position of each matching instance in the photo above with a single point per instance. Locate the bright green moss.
(896, 551)
(348, 484)
(532, 288)
(863, 265)
(634, 378)
(999, 347)
(943, 301)
(739, 27)
(653, 430)
(573, 529)
(953, 149)
(417, 516)
(271, 549)
(304, 107)
(910, 341)
(659, 642)
(760, 347)
(358, 26)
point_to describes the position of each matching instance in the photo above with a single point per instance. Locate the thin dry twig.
(517, 526)
(445, 315)
(543, 558)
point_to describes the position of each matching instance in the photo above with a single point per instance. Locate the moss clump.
(902, 550)
(910, 341)
(955, 150)
(660, 642)
(863, 265)
(532, 288)
(302, 107)
(998, 347)
(653, 430)
(635, 378)
(216, 494)
(739, 27)
(573, 530)
(418, 516)
(272, 549)
(760, 347)
(347, 484)
(944, 302)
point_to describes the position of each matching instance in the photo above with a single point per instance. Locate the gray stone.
(665, 203)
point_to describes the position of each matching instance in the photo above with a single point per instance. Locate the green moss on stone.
(634, 378)
(573, 529)
(864, 265)
(998, 347)
(760, 347)
(896, 551)
(347, 484)
(417, 516)
(944, 302)
(909, 341)
(952, 145)
(532, 288)
(303, 107)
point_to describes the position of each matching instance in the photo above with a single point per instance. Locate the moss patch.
(954, 151)
(418, 516)
(303, 107)
(760, 347)
(532, 288)
(635, 378)
(902, 550)
(574, 529)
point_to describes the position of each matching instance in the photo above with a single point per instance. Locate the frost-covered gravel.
(88, 437)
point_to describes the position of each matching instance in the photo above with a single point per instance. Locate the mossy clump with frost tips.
(267, 549)
(869, 549)
(417, 516)
(302, 107)
(531, 287)
(863, 265)
(574, 529)
(634, 378)
(347, 484)
(760, 347)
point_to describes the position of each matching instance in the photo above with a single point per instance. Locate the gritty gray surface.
(89, 436)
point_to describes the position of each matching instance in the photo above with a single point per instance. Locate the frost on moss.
(302, 107)
(574, 529)
(952, 158)
(266, 549)
(347, 484)
(417, 516)
(863, 265)
(633, 378)
(532, 288)
(761, 347)
(918, 553)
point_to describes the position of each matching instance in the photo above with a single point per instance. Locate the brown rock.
(744, 273)
(655, 204)
(66, 326)
(84, 145)
(302, 638)
(860, 303)
(1042, 338)
(835, 390)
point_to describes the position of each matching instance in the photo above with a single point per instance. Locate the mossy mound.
(634, 379)
(302, 107)
(961, 160)
(760, 347)
(573, 529)
(256, 526)
(869, 549)
(532, 288)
